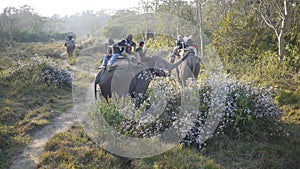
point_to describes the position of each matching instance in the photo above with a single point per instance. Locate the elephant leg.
(68, 51)
(196, 67)
(179, 76)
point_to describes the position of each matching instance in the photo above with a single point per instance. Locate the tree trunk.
(280, 48)
(200, 28)
(279, 27)
(282, 32)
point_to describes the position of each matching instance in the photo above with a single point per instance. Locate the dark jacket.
(124, 44)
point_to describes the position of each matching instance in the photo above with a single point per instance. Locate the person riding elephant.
(108, 54)
(190, 46)
(191, 67)
(134, 78)
(141, 51)
(126, 47)
(179, 46)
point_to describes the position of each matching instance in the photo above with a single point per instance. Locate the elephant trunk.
(173, 66)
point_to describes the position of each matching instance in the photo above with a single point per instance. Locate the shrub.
(38, 70)
(248, 112)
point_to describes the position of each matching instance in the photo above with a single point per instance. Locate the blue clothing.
(113, 58)
(105, 61)
(125, 45)
(106, 58)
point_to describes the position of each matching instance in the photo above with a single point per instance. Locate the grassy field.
(29, 102)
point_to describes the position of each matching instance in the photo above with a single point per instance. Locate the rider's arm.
(122, 43)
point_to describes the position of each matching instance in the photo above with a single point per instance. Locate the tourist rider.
(125, 45)
(140, 51)
(108, 54)
(179, 45)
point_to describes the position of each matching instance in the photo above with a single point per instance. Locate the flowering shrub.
(127, 119)
(39, 70)
(248, 112)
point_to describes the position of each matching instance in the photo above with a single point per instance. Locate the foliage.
(25, 25)
(72, 61)
(45, 71)
(85, 23)
(160, 42)
(250, 134)
(292, 49)
(73, 149)
(115, 32)
(28, 102)
(248, 112)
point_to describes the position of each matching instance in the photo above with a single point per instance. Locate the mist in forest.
(25, 25)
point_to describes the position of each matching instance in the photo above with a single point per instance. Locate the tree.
(275, 14)
(9, 20)
(200, 3)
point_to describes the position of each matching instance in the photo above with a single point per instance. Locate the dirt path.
(29, 158)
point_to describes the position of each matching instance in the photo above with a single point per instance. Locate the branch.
(279, 9)
(267, 22)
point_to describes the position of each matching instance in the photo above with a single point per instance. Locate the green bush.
(38, 70)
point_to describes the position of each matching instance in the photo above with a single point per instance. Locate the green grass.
(26, 105)
(250, 153)
(22, 115)
(253, 143)
(74, 149)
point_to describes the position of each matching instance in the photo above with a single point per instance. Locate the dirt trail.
(29, 158)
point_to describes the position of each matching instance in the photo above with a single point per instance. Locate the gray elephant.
(70, 44)
(190, 68)
(132, 79)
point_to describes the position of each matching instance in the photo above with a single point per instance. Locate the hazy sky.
(68, 7)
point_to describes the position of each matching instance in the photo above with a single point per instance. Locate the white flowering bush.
(248, 112)
(127, 119)
(39, 70)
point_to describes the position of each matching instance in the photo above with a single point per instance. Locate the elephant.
(190, 68)
(132, 79)
(70, 44)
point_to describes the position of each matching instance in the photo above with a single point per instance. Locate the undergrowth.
(74, 149)
(33, 91)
